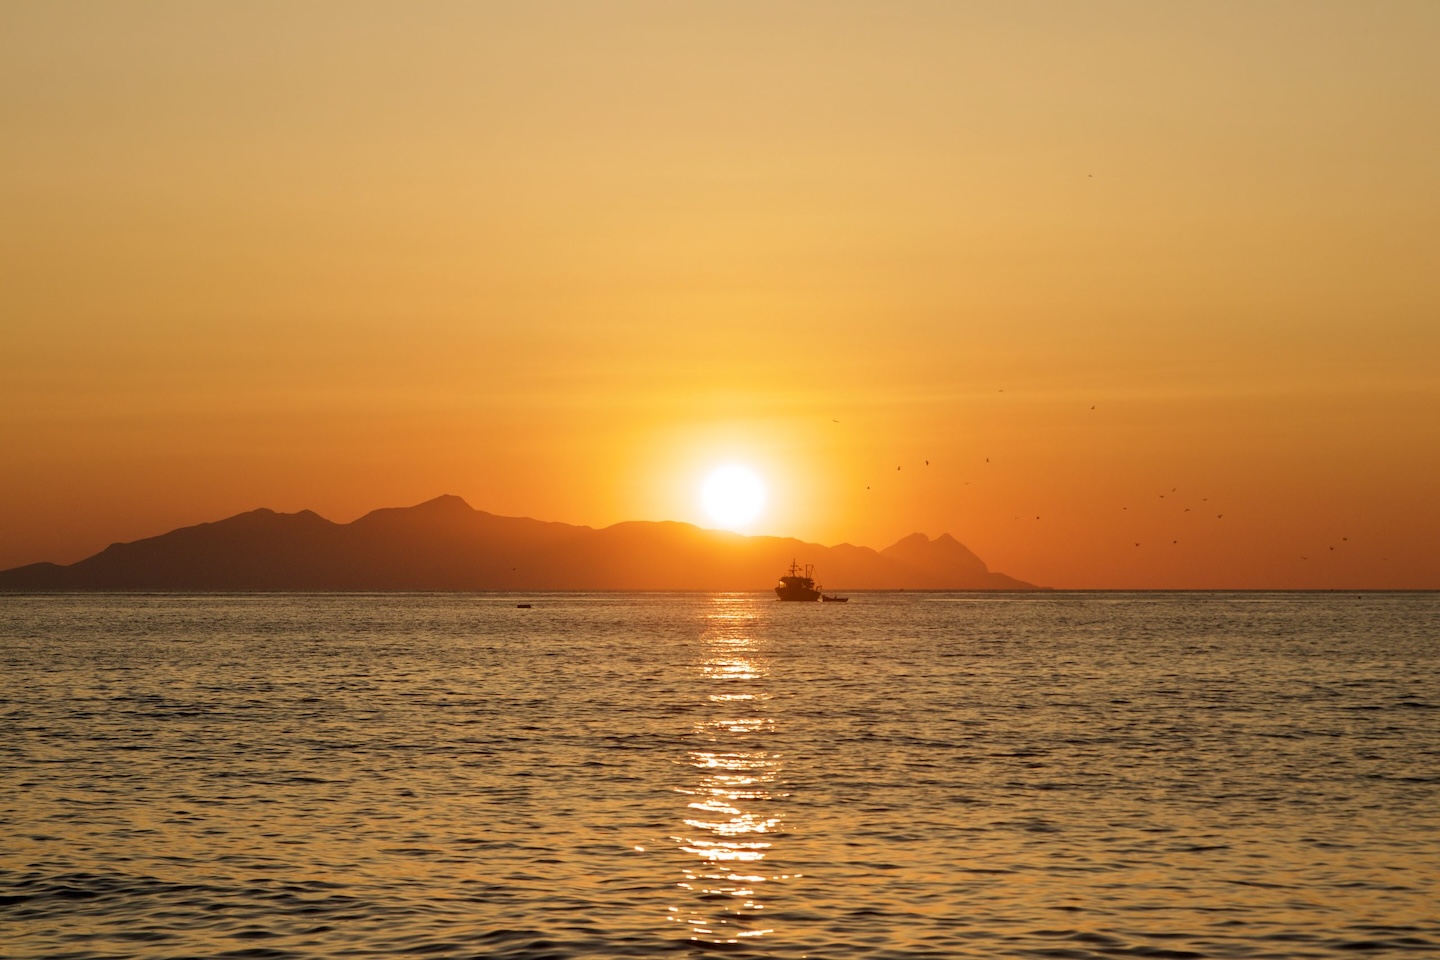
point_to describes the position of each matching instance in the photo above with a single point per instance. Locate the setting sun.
(733, 496)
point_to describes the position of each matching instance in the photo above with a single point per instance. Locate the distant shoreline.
(1033, 594)
(445, 545)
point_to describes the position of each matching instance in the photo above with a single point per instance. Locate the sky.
(1153, 288)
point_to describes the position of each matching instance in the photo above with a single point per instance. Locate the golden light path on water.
(731, 819)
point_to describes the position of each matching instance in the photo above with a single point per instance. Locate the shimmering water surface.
(938, 775)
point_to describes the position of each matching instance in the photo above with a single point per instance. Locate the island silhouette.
(446, 545)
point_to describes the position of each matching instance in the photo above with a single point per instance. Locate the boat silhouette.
(798, 584)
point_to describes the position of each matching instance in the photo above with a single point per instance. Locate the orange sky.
(561, 259)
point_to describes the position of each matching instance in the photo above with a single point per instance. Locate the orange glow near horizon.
(1151, 288)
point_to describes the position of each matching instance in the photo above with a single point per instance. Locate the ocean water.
(632, 775)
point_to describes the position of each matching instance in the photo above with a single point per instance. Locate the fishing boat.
(798, 584)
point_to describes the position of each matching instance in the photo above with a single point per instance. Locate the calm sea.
(632, 775)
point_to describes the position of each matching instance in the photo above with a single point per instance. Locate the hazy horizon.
(1219, 586)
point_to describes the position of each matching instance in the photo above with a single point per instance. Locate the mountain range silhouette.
(445, 544)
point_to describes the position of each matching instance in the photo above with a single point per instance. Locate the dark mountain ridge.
(445, 544)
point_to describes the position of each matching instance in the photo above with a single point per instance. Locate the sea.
(1041, 775)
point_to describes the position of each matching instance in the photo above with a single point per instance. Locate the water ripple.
(1078, 776)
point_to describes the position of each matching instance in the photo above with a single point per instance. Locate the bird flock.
(1173, 494)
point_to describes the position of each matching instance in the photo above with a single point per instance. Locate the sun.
(732, 496)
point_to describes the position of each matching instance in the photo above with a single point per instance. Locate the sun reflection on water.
(732, 818)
